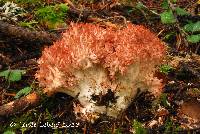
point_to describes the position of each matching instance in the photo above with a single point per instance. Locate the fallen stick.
(20, 104)
(26, 34)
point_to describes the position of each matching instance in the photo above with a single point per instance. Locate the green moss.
(166, 69)
(52, 16)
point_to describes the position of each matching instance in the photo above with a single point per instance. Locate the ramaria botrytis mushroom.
(90, 61)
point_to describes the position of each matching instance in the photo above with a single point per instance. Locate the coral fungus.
(91, 62)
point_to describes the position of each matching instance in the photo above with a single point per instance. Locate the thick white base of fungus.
(95, 81)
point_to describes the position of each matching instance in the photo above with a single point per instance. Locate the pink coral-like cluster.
(89, 60)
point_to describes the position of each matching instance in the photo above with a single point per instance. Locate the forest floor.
(28, 26)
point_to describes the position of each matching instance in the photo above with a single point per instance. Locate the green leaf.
(23, 92)
(9, 132)
(189, 27)
(196, 26)
(165, 4)
(194, 38)
(181, 11)
(15, 75)
(12, 75)
(139, 129)
(192, 27)
(167, 17)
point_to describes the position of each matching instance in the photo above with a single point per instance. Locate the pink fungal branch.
(90, 61)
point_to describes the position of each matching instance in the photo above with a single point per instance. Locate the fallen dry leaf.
(191, 108)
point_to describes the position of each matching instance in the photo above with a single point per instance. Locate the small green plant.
(52, 16)
(12, 75)
(169, 17)
(138, 128)
(165, 69)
